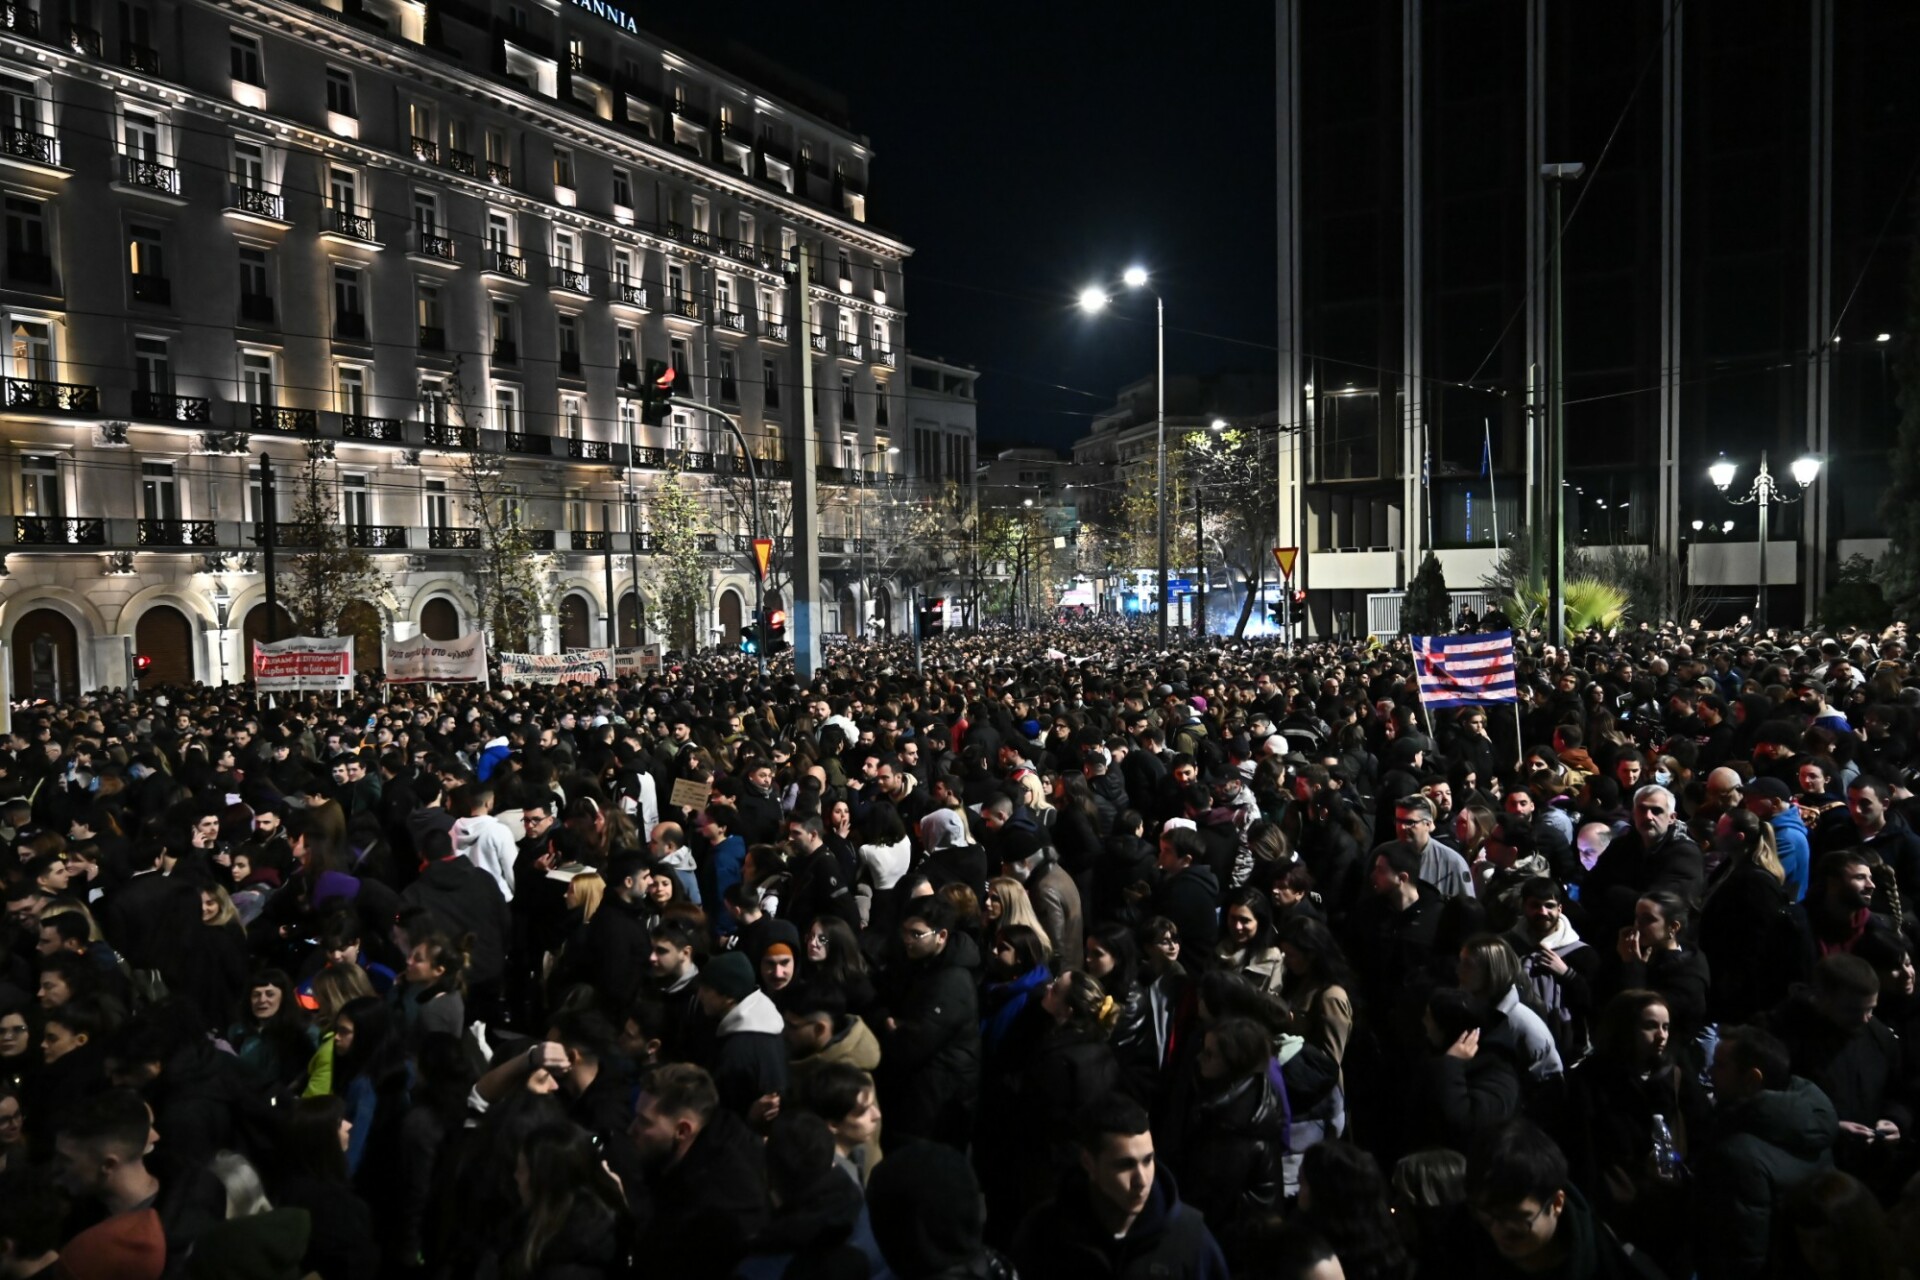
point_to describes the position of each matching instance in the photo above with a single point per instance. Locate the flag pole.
(1493, 493)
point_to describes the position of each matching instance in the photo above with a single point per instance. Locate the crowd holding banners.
(1063, 955)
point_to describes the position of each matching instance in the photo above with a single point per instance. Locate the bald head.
(1724, 787)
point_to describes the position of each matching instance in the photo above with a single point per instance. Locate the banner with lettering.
(631, 664)
(421, 660)
(581, 666)
(304, 664)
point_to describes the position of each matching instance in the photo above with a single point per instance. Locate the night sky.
(1027, 150)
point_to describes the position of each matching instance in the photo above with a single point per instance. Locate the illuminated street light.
(1092, 299)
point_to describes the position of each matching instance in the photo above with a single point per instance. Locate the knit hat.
(925, 1208)
(1772, 788)
(731, 974)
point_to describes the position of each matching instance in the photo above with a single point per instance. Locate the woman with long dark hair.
(1017, 971)
(1248, 943)
(369, 1074)
(572, 1214)
(1743, 930)
(1231, 1135)
(311, 1173)
(1635, 1076)
(1345, 1198)
(834, 957)
(432, 1140)
(270, 1033)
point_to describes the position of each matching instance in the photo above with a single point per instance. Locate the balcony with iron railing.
(43, 396)
(774, 331)
(684, 306)
(83, 39)
(283, 421)
(734, 320)
(700, 239)
(447, 435)
(428, 245)
(176, 533)
(817, 342)
(256, 201)
(498, 173)
(20, 20)
(444, 537)
(59, 531)
(588, 539)
(347, 223)
(505, 352)
(531, 443)
(377, 537)
(358, 426)
(571, 279)
(631, 295)
(460, 162)
(151, 175)
(590, 450)
(25, 144)
(851, 349)
(538, 539)
(675, 231)
(424, 149)
(884, 355)
(501, 263)
(164, 406)
(143, 58)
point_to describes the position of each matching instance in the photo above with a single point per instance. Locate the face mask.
(1663, 778)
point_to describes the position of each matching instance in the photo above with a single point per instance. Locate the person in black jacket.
(930, 1038)
(1649, 956)
(619, 938)
(1228, 1146)
(463, 899)
(1189, 892)
(1392, 934)
(1745, 930)
(1464, 1086)
(706, 1179)
(1656, 854)
(1117, 1214)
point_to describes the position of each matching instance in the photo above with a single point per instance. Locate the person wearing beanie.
(1773, 801)
(750, 1055)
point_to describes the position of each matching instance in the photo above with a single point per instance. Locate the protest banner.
(304, 664)
(582, 666)
(422, 660)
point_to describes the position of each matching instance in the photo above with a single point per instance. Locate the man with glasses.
(1534, 1220)
(1440, 866)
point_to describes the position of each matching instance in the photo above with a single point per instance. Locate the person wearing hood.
(1774, 1132)
(750, 1054)
(1118, 1213)
(1559, 965)
(1189, 892)
(820, 1225)
(1403, 767)
(1533, 1220)
(483, 839)
(943, 834)
(1466, 1082)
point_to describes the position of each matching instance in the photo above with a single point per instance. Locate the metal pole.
(1199, 564)
(609, 616)
(913, 599)
(753, 517)
(633, 543)
(1160, 445)
(1556, 454)
(267, 533)
(1764, 488)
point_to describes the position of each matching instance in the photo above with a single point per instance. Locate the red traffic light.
(1300, 597)
(665, 380)
(142, 661)
(777, 619)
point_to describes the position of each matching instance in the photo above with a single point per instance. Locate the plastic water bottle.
(1666, 1156)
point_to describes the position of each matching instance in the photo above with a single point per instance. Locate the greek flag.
(1461, 671)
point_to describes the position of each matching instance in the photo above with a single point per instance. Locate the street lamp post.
(860, 530)
(1764, 492)
(222, 613)
(1093, 299)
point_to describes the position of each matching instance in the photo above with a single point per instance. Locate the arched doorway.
(253, 630)
(730, 627)
(882, 612)
(165, 637)
(440, 620)
(849, 613)
(362, 621)
(630, 619)
(46, 656)
(576, 631)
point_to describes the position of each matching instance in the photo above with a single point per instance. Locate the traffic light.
(933, 617)
(776, 630)
(141, 662)
(1300, 596)
(1276, 613)
(655, 390)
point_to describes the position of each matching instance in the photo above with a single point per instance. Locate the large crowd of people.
(1060, 954)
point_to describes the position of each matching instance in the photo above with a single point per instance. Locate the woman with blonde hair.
(1007, 903)
(333, 989)
(1746, 895)
(1490, 969)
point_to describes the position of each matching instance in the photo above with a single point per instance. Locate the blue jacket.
(1796, 854)
(490, 758)
(729, 866)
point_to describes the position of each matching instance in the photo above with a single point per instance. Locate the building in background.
(1732, 259)
(378, 233)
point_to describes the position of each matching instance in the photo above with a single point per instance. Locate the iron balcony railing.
(447, 435)
(28, 145)
(348, 223)
(258, 201)
(425, 149)
(529, 442)
(59, 531)
(432, 246)
(503, 263)
(52, 397)
(632, 294)
(143, 58)
(176, 533)
(293, 422)
(377, 537)
(590, 450)
(164, 406)
(588, 539)
(153, 175)
(568, 278)
(444, 537)
(358, 426)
